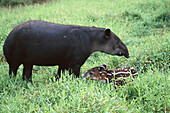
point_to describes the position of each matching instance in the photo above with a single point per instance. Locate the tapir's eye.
(91, 73)
(100, 69)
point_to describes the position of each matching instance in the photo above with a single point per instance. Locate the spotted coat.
(119, 76)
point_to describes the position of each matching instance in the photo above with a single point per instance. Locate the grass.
(20, 2)
(142, 25)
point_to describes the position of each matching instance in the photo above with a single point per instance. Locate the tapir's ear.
(107, 32)
(101, 68)
(104, 65)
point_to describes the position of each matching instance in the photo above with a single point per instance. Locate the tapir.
(118, 77)
(48, 44)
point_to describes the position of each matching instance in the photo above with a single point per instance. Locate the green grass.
(20, 2)
(144, 26)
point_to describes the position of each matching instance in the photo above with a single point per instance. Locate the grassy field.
(143, 25)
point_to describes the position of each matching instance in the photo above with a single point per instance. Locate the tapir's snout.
(124, 54)
(127, 56)
(127, 53)
(123, 50)
(84, 75)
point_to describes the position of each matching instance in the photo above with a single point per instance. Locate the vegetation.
(142, 25)
(20, 2)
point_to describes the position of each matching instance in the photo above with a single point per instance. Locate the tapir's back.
(44, 43)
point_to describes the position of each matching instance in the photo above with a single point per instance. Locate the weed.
(142, 25)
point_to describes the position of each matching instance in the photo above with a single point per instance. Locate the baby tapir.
(47, 44)
(117, 76)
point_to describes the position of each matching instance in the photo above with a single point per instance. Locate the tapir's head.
(97, 73)
(98, 69)
(111, 44)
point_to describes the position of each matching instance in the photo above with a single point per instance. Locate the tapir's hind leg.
(60, 69)
(27, 72)
(76, 70)
(59, 73)
(13, 69)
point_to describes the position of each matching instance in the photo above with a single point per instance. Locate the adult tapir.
(47, 44)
